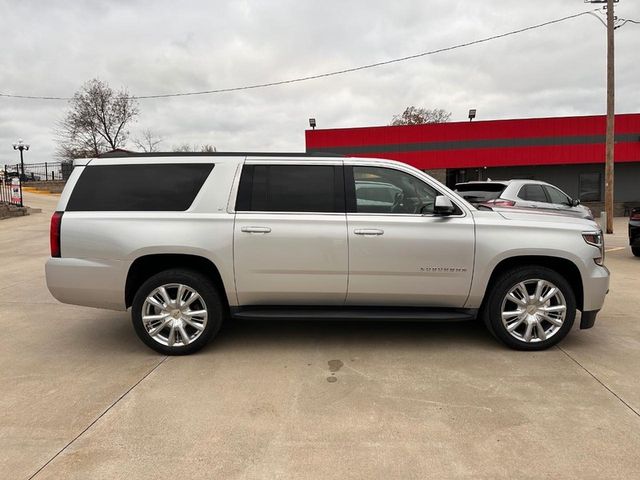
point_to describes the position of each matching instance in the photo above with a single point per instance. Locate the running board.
(353, 313)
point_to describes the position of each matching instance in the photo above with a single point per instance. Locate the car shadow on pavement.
(114, 333)
(328, 333)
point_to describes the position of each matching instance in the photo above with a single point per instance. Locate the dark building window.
(590, 187)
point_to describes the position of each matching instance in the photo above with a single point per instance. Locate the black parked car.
(634, 231)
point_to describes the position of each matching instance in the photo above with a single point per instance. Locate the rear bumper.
(91, 283)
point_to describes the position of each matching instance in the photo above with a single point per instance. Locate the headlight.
(597, 240)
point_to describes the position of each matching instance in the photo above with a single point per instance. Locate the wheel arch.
(564, 267)
(148, 265)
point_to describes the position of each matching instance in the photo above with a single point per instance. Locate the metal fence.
(39, 172)
(11, 191)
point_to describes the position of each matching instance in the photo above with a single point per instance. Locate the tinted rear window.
(480, 192)
(291, 188)
(480, 187)
(149, 187)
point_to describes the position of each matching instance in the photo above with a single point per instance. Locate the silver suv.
(189, 241)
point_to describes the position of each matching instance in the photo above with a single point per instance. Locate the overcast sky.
(156, 47)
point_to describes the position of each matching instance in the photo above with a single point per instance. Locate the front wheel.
(176, 312)
(530, 308)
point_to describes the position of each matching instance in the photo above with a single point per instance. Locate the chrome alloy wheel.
(174, 315)
(533, 310)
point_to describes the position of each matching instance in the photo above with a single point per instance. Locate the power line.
(328, 74)
(624, 21)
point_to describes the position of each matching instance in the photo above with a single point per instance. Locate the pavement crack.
(439, 404)
(99, 417)
(600, 382)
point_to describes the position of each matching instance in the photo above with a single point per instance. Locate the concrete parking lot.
(82, 398)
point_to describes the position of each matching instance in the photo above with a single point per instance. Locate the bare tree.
(185, 147)
(208, 148)
(149, 141)
(96, 121)
(416, 116)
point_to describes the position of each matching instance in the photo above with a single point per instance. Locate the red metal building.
(566, 151)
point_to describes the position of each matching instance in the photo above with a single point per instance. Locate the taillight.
(501, 202)
(54, 233)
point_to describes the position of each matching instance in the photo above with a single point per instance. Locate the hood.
(536, 216)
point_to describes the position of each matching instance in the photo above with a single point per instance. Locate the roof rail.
(216, 154)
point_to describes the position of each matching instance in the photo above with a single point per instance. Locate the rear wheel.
(636, 251)
(530, 308)
(176, 312)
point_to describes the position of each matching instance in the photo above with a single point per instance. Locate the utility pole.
(611, 105)
(610, 138)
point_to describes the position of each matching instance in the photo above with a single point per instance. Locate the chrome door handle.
(256, 229)
(369, 231)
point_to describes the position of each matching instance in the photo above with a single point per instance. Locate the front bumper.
(595, 288)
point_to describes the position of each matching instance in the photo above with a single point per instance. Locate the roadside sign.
(16, 195)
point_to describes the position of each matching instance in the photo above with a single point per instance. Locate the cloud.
(155, 47)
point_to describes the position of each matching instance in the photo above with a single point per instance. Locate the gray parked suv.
(189, 241)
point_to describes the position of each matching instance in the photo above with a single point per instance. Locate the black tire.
(492, 311)
(636, 251)
(210, 300)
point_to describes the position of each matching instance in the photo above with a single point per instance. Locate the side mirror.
(575, 202)
(443, 206)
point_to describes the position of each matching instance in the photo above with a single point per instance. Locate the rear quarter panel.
(112, 241)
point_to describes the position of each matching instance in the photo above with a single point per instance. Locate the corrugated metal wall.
(543, 141)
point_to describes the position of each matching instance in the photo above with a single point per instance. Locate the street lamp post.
(20, 145)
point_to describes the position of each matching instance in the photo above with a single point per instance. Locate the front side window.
(557, 196)
(291, 188)
(384, 190)
(533, 193)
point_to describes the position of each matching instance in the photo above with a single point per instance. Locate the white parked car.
(532, 194)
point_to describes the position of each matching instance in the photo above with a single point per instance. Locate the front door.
(400, 253)
(290, 234)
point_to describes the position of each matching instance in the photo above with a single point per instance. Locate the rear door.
(290, 234)
(400, 253)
